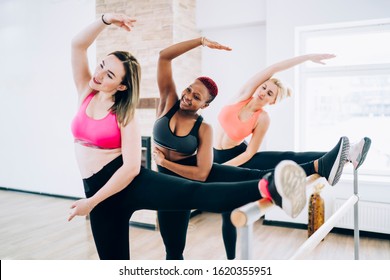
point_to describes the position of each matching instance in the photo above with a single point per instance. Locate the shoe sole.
(366, 148)
(341, 159)
(290, 182)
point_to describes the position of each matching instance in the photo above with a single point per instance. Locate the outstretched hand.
(317, 58)
(120, 20)
(214, 45)
(81, 207)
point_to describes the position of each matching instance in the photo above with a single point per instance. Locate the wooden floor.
(34, 227)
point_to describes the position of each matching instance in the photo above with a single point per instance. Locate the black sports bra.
(164, 137)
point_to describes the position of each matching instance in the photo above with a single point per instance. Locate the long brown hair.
(126, 101)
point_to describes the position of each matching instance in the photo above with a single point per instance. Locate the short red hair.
(210, 85)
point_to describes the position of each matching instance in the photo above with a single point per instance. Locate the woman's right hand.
(120, 20)
(81, 207)
(214, 45)
(158, 156)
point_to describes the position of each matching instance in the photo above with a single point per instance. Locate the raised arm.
(259, 78)
(84, 39)
(166, 84)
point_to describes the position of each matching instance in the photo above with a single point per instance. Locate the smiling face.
(196, 96)
(267, 93)
(108, 75)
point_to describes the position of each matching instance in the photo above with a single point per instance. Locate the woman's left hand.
(80, 207)
(214, 45)
(317, 58)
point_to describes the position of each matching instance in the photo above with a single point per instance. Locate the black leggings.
(268, 160)
(173, 224)
(155, 191)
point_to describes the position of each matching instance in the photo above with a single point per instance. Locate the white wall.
(223, 14)
(38, 99)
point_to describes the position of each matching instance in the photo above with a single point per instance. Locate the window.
(350, 95)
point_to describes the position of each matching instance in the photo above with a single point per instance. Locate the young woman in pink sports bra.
(108, 151)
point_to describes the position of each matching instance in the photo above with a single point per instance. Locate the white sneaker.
(358, 152)
(290, 183)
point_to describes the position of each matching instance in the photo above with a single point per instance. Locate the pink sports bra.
(236, 129)
(103, 133)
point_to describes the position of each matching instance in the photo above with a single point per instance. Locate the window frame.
(305, 71)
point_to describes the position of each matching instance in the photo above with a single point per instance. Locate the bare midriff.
(172, 155)
(222, 141)
(91, 159)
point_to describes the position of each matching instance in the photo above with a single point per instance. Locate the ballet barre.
(322, 231)
(248, 214)
(244, 217)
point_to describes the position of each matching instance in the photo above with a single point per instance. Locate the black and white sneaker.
(358, 152)
(288, 187)
(332, 163)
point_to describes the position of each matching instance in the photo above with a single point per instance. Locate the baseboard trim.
(41, 193)
(143, 225)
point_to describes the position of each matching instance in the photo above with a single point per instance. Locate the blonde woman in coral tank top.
(246, 116)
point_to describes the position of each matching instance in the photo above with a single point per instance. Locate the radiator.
(373, 217)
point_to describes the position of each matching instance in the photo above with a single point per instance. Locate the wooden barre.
(251, 212)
